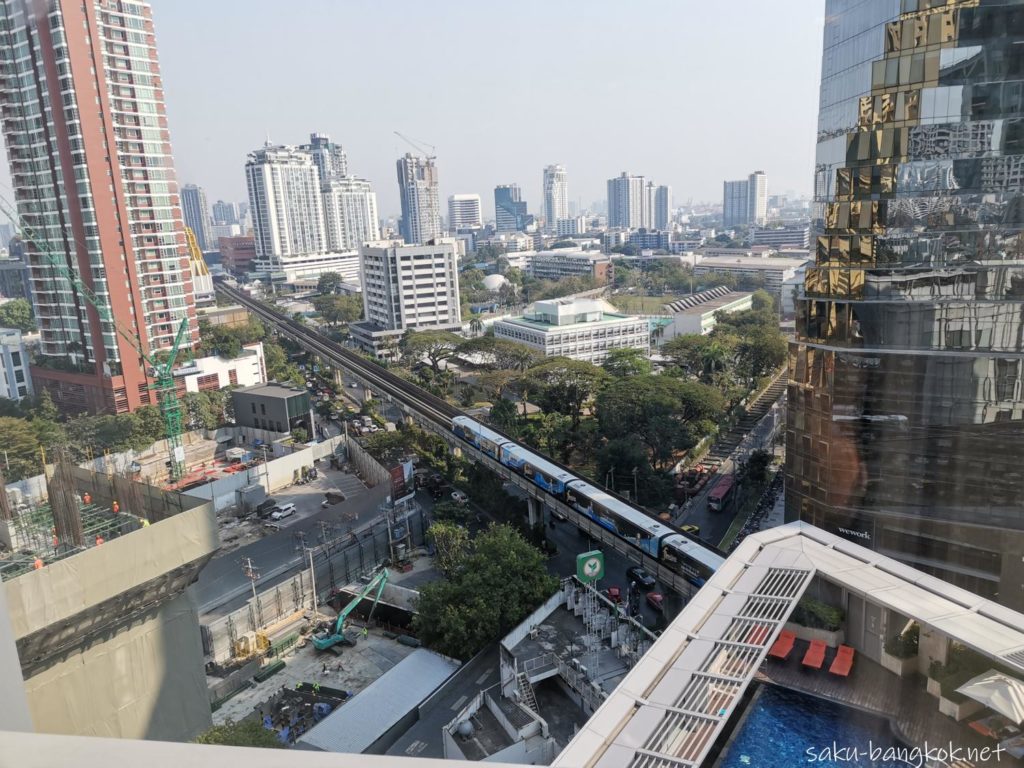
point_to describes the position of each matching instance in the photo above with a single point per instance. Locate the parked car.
(283, 511)
(614, 594)
(353, 385)
(694, 529)
(641, 577)
(459, 497)
(656, 600)
(265, 508)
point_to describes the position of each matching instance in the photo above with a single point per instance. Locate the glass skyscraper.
(906, 413)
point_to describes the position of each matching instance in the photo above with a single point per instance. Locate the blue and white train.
(677, 552)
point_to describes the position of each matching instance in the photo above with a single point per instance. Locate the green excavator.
(335, 635)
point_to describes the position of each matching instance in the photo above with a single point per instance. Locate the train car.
(617, 516)
(537, 470)
(690, 559)
(476, 434)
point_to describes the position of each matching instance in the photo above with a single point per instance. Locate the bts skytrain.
(682, 555)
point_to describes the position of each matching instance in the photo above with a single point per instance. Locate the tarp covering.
(997, 691)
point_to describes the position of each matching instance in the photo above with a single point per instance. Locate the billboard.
(402, 484)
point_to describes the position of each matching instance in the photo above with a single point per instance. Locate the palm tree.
(475, 326)
(713, 358)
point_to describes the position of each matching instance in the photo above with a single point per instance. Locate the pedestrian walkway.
(756, 411)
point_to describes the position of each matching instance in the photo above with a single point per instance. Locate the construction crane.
(431, 155)
(327, 638)
(161, 372)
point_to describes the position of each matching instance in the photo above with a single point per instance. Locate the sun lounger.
(815, 655)
(782, 645)
(843, 662)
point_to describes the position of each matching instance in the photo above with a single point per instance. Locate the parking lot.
(308, 497)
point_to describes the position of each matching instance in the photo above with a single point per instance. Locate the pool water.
(783, 725)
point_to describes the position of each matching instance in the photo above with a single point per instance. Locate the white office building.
(350, 212)
(407, 287)
(576, 225)
(214, 372)
(15, 382)
(773, 271)
(303, 226)
(464, 212)
(583, 329)
(421, 211)
(556, 196)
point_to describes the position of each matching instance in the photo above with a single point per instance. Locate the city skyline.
(671, 146)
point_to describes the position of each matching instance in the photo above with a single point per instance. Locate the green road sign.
(590, 566)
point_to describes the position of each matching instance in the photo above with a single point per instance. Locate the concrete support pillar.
(339, 378)
(535, 510)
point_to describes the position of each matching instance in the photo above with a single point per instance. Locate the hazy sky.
(685, 92)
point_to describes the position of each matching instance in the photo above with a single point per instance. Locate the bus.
(720, 494)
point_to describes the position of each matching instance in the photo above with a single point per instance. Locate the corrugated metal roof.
(358, 723)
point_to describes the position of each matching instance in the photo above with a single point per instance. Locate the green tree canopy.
(623, 363)
(666, 414)
(434, 346)
(329, 282)
(498, 582)
(763, 300)
(504, 416)
(616, 462)
(336, 310)
(565, 386)
(248, 733)
(17, 313)
(451, 544)
(762, 351)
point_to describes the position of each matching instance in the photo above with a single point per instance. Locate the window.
(263, 408)
(16, 358)
(253, 407)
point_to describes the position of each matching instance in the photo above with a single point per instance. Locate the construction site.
(96, 571)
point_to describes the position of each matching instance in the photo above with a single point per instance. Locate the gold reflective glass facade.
(906, 418)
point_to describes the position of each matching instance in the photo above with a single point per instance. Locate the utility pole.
(312, 576)
(251, 573)
(636, 494)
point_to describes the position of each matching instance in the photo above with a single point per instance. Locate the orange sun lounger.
(815, 655)
(782, 645)
(843, 662)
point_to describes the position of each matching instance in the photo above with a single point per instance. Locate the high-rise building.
(196, 214)
(15, 382)
(905, 424)
(735, 203)
(421, 207)
(69, 113)
(629, 202)
(329, 157)
(509, 208)
(464, 212)
(556, 196)
(745, 202)
(407, 287)
(287, 207)
(350, 208)
(224, 213)
(662, 216)
(758, 206)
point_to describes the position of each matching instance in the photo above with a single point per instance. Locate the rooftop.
(751, 262)
(674, 704)
(708, 301)
(271, 389)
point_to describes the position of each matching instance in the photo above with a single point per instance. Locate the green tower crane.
(160, 372)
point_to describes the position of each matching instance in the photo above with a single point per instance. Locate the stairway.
(756, 410)
(526, 695)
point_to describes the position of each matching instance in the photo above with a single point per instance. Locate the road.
(222, 585)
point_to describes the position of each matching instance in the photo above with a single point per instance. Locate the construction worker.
(366, 632)
(38, 563)
(115, 507)
(144, 521)
(86, 498)
(99, 540)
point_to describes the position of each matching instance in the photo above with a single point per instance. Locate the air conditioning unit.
(533, 633)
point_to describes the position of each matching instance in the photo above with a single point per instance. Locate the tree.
(761, 352)
(763, 300)
(339, 309)
(300, 435)
(499, 581)
(503, 415)
(756, 468)
(21, 448)
(17, 313)
(564, 385)
(435, 346)
(329, 282)
(616, 463)
(451, 543)
(44, 407)
(623, 363)
(475, 325)
(248, 733)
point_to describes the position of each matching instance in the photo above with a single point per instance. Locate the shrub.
(904, 646)
(817, 615)
(961, 665)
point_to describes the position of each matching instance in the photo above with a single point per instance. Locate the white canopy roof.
(997, 691)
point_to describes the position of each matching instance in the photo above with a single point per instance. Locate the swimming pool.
(786, 729)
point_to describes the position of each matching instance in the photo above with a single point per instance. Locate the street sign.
(590, 566)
